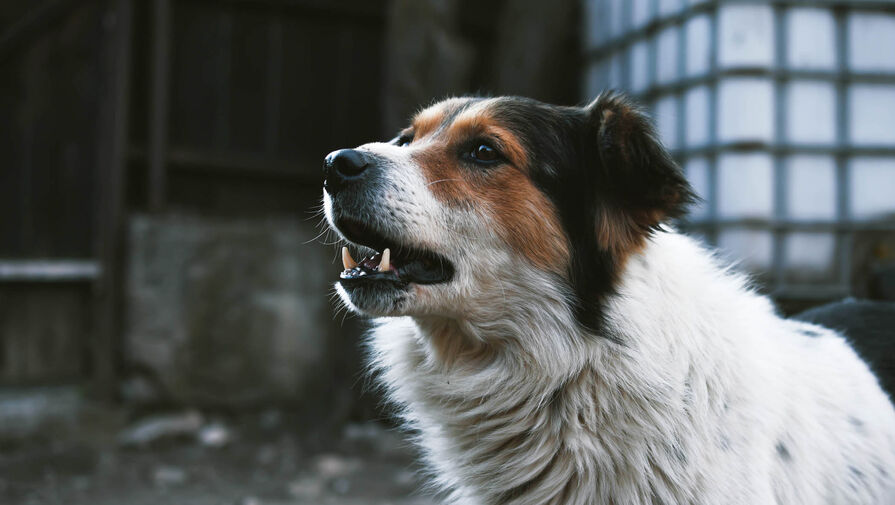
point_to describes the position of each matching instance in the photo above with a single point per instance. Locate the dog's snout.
(343, 166)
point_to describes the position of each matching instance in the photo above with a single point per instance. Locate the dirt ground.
(204, 460)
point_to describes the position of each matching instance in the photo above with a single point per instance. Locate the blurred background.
(166, 333)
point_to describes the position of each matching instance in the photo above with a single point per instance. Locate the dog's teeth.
(384, 263)
(347, 261)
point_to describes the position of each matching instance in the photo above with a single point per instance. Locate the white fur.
(697, 392)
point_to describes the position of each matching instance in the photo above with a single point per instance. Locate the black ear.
(641, 185)
(624, 186)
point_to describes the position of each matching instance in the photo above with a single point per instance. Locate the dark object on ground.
(882, 283)
(869, 326)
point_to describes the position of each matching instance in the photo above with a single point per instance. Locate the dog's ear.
(625, 186)
(640, 185)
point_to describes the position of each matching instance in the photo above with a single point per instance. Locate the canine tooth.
(384, 263)
(347, 261)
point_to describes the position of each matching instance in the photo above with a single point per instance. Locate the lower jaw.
(368, 284)
(375, 298)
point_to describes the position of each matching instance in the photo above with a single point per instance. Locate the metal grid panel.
(744, 94)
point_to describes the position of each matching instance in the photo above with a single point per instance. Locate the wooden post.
(111, 159)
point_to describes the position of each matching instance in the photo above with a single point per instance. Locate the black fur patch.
(589, 161)
(783, 452)
(868, 326)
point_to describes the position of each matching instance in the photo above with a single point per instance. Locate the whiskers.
(341, 308)
(442, 180)
(329, 237)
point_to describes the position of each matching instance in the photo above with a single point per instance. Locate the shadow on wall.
(493, 47)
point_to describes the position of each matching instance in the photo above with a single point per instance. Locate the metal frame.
(843, 227)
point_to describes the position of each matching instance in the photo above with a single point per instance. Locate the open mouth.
(392, 261)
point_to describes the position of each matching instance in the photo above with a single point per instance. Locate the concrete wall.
(228, 312)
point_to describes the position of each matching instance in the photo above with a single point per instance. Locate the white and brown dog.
(553, 342)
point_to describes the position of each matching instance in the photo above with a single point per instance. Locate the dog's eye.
(484, 153)
(404, 140)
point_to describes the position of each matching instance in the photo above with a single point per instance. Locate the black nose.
(342, 166)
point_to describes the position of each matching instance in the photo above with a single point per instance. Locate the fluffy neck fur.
(514, 404)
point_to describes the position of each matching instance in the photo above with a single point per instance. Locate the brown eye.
(484, 153)
(404, 140)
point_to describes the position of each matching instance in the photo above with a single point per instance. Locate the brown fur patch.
(526, 219)
(427, 121)
(477, 122)
(619, 233)
(445, 178)
(430, 119)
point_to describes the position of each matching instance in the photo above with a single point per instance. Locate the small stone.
(306, 488)
(214, 435)
(266, 455)
(341, 485)
(159, 427)
(139, 390)
(81, 483)
(330, 466)
(271, 419)
(165, 476)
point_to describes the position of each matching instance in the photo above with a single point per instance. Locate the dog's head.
(483, 195)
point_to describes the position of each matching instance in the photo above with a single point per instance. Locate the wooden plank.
(307, 104)
(12, 98)
(113, 137)
(227, 163)
(235, 195)
(223, 76)
(158, 108)
(359, 102)
(42, 330)
(69, 134)
(32, 20)
(49, 96)
(196, 46)
(274, 85)
(56, 270)
(249, 80)
(355, 10)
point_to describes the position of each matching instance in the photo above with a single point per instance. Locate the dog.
(550, 338)
(869, 325)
